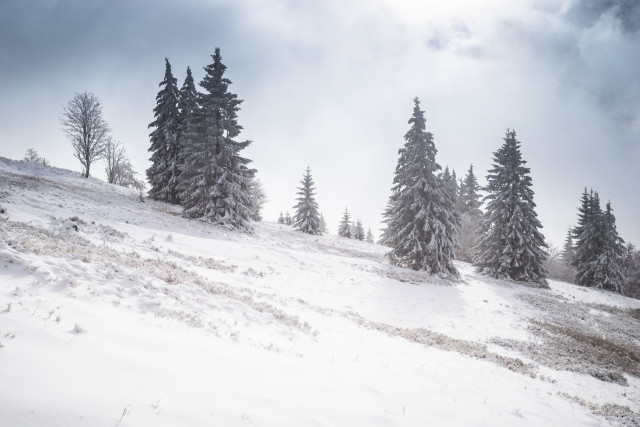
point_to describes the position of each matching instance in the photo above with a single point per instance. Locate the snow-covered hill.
(144, 318)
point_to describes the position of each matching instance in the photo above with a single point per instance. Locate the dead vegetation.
(595, 339)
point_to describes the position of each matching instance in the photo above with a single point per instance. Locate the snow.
(142, 317)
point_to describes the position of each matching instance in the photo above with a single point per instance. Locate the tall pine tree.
(421, 217)
(164, 170)
(510, 245)
(307, 217)
(215, 180)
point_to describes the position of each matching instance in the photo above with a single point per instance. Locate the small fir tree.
(568, 251)
(281, 218)
(369, 237)
(163, 173)
(344, 229)
(631, 271)
(450, 182)
(323, 224)
(510, 245)
(358, 230)
(306, 217)
(287, 219)
(421, 217)
(469, 200)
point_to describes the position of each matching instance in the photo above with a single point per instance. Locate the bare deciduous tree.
(118, 167)
(31, 156)
(85, 127)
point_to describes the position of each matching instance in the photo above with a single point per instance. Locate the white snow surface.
(144, 318)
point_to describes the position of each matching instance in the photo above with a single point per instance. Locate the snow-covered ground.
(144, 318)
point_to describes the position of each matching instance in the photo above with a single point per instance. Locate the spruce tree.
(469, 200)
(631, 270)
(323, 224)
(421, 217)
(307, 217)
(608, 274)
(344, 229)
(164, 170)
(568, 251)
(187, 111)
(358, 230)
(369, 237)
(216, 178)
(510, 245)
(287, 219)
(451, 184)
(587, 238)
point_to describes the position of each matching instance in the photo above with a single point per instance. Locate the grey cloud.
(586, 13)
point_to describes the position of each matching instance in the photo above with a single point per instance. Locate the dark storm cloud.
(77, 33)
(592, 47)
(586, 13)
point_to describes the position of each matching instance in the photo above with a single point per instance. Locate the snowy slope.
(143, 318)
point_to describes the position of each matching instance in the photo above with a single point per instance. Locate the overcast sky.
(329, 84)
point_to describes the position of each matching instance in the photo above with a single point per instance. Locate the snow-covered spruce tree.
(287, 219)
(323, 224)
(450, 182)
(386, 237)
(421, 217)
(187, 109)
(631, 270)
(599, 249)
(164, 141)
(214, 184)
(358, 230)
(608, 273)
(568, 251)
(587, 238)
(369, 237)
(307, 217)
(344, 229)
(281, 218)
(509, 243)
(469, 199)
(258, 198)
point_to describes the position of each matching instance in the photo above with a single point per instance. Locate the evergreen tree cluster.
(353, 230)
(598, 251)
(195, 152)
